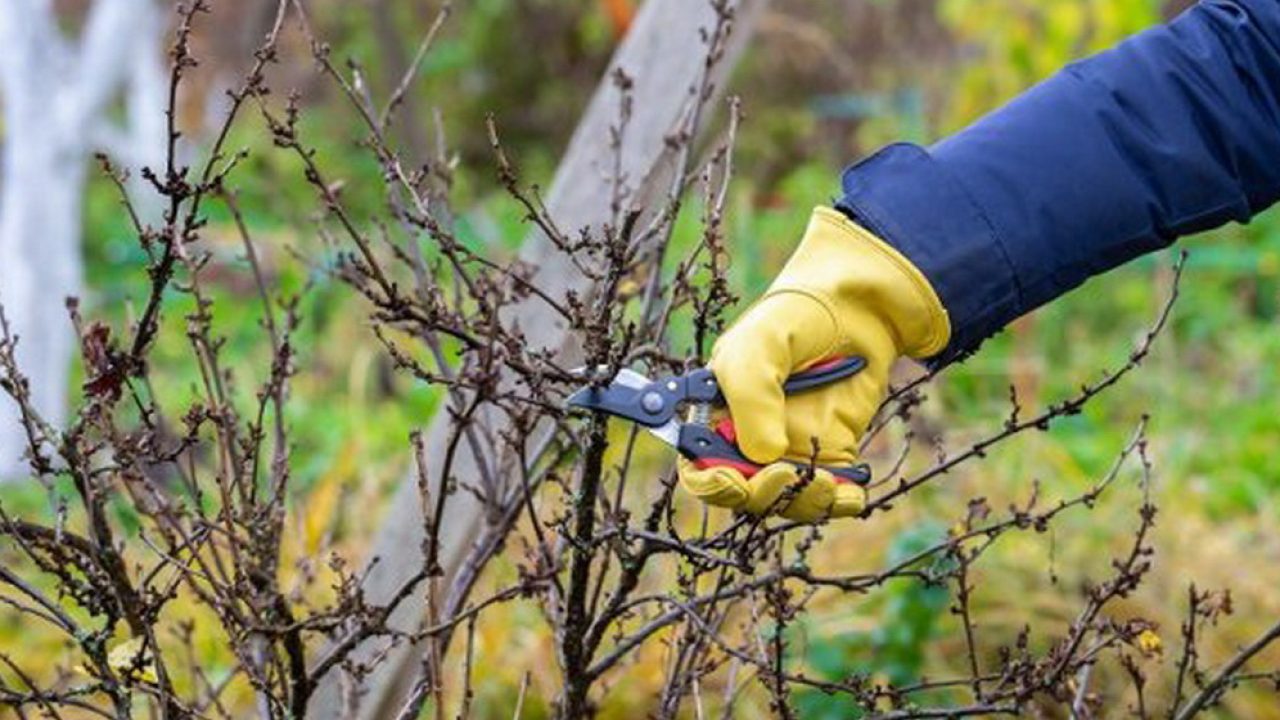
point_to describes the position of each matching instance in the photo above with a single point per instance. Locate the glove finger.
(775, 489)
(780, 488)
(824, 498)
(720, 486)
(835, 417)
(766, 487)
(849, 500)
(752, 388)
(754, 358)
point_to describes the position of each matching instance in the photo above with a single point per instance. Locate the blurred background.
(824, 83)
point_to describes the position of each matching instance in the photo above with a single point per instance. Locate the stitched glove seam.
(939, 325)
(827, 303)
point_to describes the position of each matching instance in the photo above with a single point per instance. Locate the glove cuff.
(859, 273)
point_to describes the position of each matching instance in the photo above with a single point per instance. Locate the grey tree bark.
(56, 94)
(664, 55)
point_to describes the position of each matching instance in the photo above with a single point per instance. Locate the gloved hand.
(844, 292)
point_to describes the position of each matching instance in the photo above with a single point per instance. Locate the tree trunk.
(39, 268)
(55, 98)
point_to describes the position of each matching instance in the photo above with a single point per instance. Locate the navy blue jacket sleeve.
(1174, 131)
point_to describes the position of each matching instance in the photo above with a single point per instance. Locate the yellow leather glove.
(844, 292)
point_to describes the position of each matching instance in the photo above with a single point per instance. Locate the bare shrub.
(566, 499)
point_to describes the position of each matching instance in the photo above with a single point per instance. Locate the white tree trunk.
(55, 97)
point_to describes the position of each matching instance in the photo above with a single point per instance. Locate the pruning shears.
(677, 410)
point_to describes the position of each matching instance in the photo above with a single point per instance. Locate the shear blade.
(626, 377)
(668, 432)
(591, 397)
(619, 397)
(600, 398)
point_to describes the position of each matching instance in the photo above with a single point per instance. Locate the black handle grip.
(824, 373)
(705, 447)
(700, 386)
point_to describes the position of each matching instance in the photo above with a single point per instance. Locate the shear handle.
(707, 448)
(823, 373)
(700, 385)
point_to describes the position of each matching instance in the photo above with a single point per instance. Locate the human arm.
(1174, 131)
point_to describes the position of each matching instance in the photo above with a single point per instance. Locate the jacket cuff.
(905, 197)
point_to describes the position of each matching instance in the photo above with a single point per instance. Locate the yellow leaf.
(325, 497)
(1149, 643)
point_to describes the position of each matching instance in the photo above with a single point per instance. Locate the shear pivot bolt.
(652, 402)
